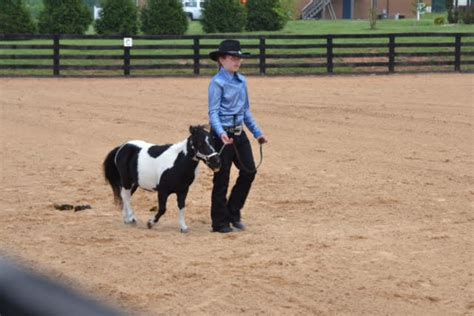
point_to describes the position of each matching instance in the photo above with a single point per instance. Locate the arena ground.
(363, 204)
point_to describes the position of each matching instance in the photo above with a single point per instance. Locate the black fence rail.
(95, 55)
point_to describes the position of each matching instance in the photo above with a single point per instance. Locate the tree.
(91, 3)
(372, 17)
(223, 16)
(453, 13)
(163, 17)
(35, 7)
(15, 18)
(265, 15)
(118, 17)
(64, 17)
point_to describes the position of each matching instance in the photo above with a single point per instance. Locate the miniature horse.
(166, 169)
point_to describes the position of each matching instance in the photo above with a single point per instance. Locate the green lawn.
(314, 27)
(426, 24)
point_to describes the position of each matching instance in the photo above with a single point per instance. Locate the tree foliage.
(64, 17)
(15, 18)
(223, 16)
(163, 17)
(118, 17)
(453, 14)
(265, 15)
(35, 7)
(467, 14)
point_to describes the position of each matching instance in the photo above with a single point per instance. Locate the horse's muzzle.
(214, 163)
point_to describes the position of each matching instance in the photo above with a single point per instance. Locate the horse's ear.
(191, 129)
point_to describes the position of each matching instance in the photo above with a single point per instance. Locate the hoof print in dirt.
(69, 207)
(63, 207)
(78, 208)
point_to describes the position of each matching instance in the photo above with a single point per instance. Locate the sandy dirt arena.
(363, 204)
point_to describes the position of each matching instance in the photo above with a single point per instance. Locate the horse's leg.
(162, 198)
(134, 188)
(182, 208)
(128, 215)
(125, 158)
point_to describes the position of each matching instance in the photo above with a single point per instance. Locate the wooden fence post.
(56, 55)
(126, 61)
(457, 53)
(196, 53)
(263, 68)
(329, 54)
(391, 53)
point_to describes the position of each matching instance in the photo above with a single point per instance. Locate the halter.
(203, 157)
(199, 156)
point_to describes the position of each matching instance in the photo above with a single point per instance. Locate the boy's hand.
(226, 140)
(262, 140)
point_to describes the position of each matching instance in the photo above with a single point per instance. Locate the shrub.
(453, 15)
(15, 18)
(467, 15)
(118, 17)
(439, 20)
(64, 17)
(265, 15)
(223, 16)
(163, 17)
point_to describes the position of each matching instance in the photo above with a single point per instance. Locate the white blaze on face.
(151, 169)
(209, 144)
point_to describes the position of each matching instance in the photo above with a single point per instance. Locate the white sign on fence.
(127, 42)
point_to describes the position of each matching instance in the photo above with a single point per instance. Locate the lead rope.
(240, 160)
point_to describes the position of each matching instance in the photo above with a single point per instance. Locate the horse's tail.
(112, 175)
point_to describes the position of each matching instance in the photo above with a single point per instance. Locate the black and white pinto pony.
(166, 169)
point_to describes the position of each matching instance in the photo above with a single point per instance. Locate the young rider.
(229, 110)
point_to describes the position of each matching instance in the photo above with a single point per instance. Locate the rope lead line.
(240, 160)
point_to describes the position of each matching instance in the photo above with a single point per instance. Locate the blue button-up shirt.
(229, 103)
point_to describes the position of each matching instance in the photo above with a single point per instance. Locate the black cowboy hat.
(228, 47)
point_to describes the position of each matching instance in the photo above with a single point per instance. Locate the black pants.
(223, 210)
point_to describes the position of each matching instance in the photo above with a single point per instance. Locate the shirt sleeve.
(248, 117)
(214, 100)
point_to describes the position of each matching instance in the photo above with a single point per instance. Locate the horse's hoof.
(149, 224)
(184, 230)
(133, 222)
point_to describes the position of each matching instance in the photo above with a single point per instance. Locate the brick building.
(358, 9)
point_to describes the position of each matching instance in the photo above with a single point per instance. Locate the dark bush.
(64, 17)
(15, 18)
(265, 15)
(223, 16)
(467, 15)
(163, 17)
(453, 14)
(449, 4)
(118, 17)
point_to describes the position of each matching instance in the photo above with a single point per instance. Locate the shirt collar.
(228, 75)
